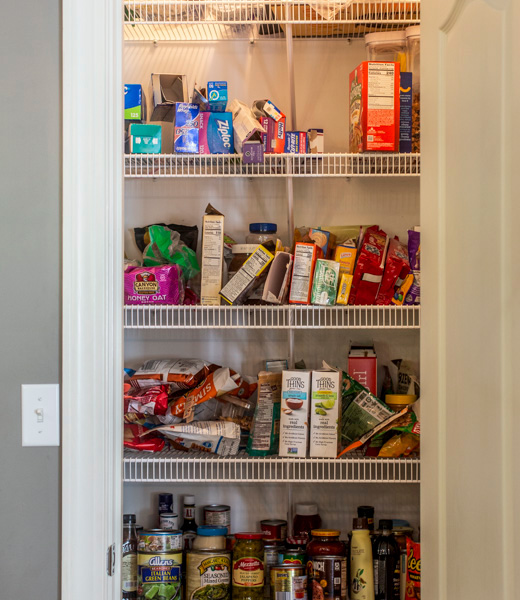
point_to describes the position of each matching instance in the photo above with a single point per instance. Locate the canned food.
(165, 503)
(292, 557)
(169, 521)
(159, 540)
(274, 529)
(218, 515)
(288, 582)
(208, 575)
(327, 577)
(271, 553)
(159, 575)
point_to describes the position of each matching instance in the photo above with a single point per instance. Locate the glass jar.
(388, 46)
(399, 401)
(413, 45)
(325, 542)
(306, 519)
(260, 233)
(248, 566)
(210, 538)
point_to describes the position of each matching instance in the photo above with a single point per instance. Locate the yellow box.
(346, 256)
(345, 284)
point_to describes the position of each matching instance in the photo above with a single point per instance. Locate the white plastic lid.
(386, 36)
(189, 500)
(243, 248)
(306, 509)
(413, 30)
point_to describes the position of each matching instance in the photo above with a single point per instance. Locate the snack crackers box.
(295, 142)
(325, 411)
(145, 138)
(305, 256)
(374, 107)
(362, 366)
(216, 133)
(187, 125)
(346, 256)
(217, 96)
(212, 257)
(325, 282)
(294, 415)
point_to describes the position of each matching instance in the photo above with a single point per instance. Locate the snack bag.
(217, 437)
(414, 252)
(166, 247)
(413, 570)
(369, 267)
(265, 434)
(154, 285)
(133, 440)
(407, 381)
(148, 401)
(181, 374)
(406, 440)
(396, 269)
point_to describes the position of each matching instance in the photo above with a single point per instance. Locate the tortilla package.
(265, 433)
(217, 437)
(397, 268)
(369, 267)
(133, 439)
(181, 374)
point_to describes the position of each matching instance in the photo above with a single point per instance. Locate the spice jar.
(399, 401)
(325, 542)
(248, 566)
(306, 519)
(210, 538)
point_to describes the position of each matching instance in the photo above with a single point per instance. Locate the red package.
(413, 570)
(133, 440)
(369, 267)
(149, 401)
(396, 269)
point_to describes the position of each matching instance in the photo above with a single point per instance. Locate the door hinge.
(111, 559)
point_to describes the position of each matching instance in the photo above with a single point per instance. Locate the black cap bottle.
(387, 575)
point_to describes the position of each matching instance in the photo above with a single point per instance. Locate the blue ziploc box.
(186, 130)
(405, 117)
(133, 102)
(145, 138)
(295, 142)
(216, 133)
(217, 96)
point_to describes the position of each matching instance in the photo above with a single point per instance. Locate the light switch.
(41, 415)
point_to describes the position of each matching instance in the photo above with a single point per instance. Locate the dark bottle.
(129, 559)
(189, 526)
(387, 574)
(368, 513)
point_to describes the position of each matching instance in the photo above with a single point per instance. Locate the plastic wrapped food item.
(265, 434)
(413, 570)
(400, 445)
(149, 401)
(166, 247)
(397, 268)
(133, 439)
(369, 267)
(188, 233)
(182, 374)
(217, 437)
(154, 285)
(402, 290)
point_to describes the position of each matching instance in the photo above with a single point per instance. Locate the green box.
(145, 139)
(325, 283)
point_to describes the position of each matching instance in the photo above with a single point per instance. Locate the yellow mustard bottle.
(361, 564)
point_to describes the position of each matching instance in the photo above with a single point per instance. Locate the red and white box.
(362, 366)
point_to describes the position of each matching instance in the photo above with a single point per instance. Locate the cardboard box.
(246, 275)
(272, 120)
(325, 282)
(216, 133)
(247, 132)
(276, 286)
(187, 126)
(217, 96)
(199, 97)
(362, 366)
(145, 138)
(321, 238)
(294, 415)
(325, 413)
(305, 256)
(315, 141)
(345, 284)
(212, 257)
(295, 142)
(268, 109)
(374, 107)
(346, 256)
(134, 102)
(405, 123)
(167, 90)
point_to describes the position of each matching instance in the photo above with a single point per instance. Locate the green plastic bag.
(166, 247)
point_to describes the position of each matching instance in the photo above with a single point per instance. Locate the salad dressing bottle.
(361, 564)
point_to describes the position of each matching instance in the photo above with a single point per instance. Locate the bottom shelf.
(175, 466)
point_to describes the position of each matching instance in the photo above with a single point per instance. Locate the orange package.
(413, 570)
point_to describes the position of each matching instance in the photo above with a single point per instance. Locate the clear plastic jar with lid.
(210, 538)
(306, 518)
(388, 46)
(325, 542)
(259, 233)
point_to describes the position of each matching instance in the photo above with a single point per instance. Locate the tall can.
(271, 553)
(208, 575)
(159, 571)
(288, 582)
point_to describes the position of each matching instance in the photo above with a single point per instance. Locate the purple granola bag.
(414, 254)
(154, 285)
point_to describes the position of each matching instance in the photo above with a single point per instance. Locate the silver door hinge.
(111, 559)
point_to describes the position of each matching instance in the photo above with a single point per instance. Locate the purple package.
(414, 254)
(154, 285)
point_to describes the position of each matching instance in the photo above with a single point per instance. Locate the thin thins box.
(325, 413)
(374, 107)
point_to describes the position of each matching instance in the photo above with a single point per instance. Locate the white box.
(212, 259)
(294, 415)
(325, 411)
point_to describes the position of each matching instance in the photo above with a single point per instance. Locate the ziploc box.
(145, 138)
(294, 415)
(405, 122)
(362, 366)
(374, 107)
(186, 130)
(217, 96)
(247, 132)
(295, 142)
(167, 90)
(216, 133)
(325, 411)
(212, 258)
(134, 109)
(305, 256)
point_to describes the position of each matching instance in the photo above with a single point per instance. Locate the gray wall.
(30, 291)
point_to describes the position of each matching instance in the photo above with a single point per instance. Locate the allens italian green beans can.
(159, 575)
(208, 575)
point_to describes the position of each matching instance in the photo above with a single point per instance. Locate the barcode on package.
(370, 405)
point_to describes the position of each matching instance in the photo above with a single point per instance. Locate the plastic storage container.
(399, 401)
(210, 538)
(259, 233)
(388, 46)
(413, 45)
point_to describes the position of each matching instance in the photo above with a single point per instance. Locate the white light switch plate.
(41, 415)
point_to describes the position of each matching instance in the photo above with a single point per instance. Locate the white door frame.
(92, 297)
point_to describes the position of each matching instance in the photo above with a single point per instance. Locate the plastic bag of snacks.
(222, 438)
(369, 267)
(148, 401)
(154, 285)
(133, 439)
(265, 433)
(166, 247)
(397, 268)
(181, 374)
(414, 252)
(413, 570)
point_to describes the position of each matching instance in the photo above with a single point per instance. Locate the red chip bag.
(396, 269)
(133, 440)
(413, 570)
(150, 401)
(369, 267)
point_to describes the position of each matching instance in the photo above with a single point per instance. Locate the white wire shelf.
(194, 20)
(272, 317)
(274, 165)
(174, 466)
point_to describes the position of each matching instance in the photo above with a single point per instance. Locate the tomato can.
(274, 529)
(292, 557)
(217, 515)
(327, 577)
(288, 582)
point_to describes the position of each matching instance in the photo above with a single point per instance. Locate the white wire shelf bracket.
(272, 317)
(274, 165)
(194, 20)
(174, 466)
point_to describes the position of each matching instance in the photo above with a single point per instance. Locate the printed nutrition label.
(253, 266)
(381, 82)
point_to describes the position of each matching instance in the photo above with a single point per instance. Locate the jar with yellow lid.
(325, 542)
(399, 401)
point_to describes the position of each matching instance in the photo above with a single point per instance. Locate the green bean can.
(208, 575)
(159, 575)
(248, 566)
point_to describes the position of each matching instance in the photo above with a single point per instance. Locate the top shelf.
(251, 20)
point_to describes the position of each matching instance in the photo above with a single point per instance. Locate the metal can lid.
(160, 532)
(217, 507)
(287, 567)
(325, 532)
(169, 515)
(208, 530)
(250, 535)
(129, 519)
(273, 522)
